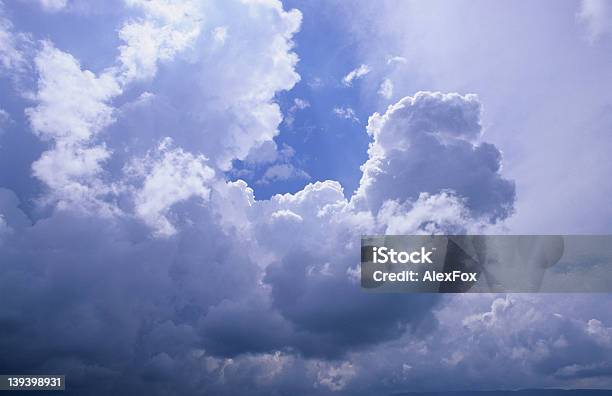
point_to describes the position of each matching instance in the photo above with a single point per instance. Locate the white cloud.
(12, 46)
(300, 104)
(72, 110)
(170, 175)
(167, 28)
(355, 74)
(396, 59)
(600, 332)
(430, 214)
(346, 113)
(386, 89)
(72, 104)
(597, 16)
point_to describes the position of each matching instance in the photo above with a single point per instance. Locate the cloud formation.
(355, 74)
(198, 272)
(153, 273)
(430, 143)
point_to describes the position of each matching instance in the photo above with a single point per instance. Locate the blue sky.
(183, 185)
(328, 145)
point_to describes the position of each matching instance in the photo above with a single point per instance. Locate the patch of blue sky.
(327, 145)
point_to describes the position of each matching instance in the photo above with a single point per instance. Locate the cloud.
(534, 155)
(298, 104)
(355, 74)
(396, 59)
(433, 214)
(220, 34)
(386, 89)
(105, 275)
(53, 5)
(72, 102)
(86, 131)
(227, 102)
(430, 143)
(165, 30)
(13, 47)
(230, 292)
(597, 17)
(72, 110)
(551, 345)
(315, 83)
(346, 113)
(265, 153)
(335, 377)
(283, 172)
(170, 176)
(190, 275)
(5, 119)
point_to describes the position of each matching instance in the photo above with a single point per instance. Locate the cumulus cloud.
(226, 101)
(430, 143)
(200, 283)
(72, 104)
(355, 74)
(492, 341)
(72, 110)
(74, 107)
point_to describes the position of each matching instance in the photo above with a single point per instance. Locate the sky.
(183, 185)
